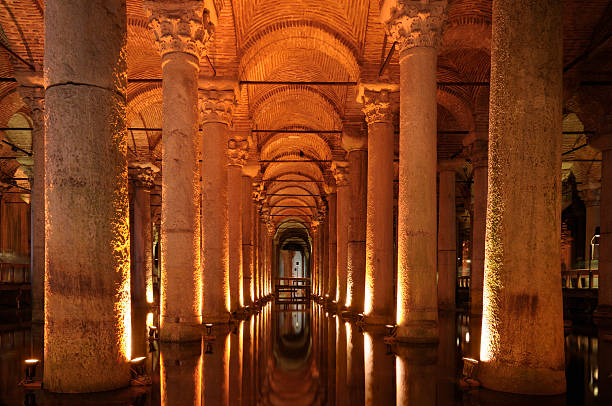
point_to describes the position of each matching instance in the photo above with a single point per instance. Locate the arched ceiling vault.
(298, 43)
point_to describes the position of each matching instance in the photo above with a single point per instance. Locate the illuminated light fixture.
(326, 295)
(391, 329)
(470, 367)
(30, 370)
(137, 365)
(153, 335)
(326, 314)
(208, 328)
(467, 337)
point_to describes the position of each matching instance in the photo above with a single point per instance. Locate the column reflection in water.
(416, 375)
(354, 365)
(341, 389)
(216, 363)
(602, 373)
(331, 358)
(247, 361)
(447, 358)
(379, 368)
(236, 365)
(181, 374)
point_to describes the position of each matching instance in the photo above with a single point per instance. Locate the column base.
(183, 330)
(418, 332)
(378, 320)
(216, 318)
(503, 377)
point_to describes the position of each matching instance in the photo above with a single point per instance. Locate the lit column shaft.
(447, 235)
(332, 247)
(238, 151)
(33, 95)
(248, 254)
(479, 156)
(142, 176)
(522, 290)
(87, 279)
(417, 30)
(378, 302)
(342, 220)
(358, 181)
(181, 296)
(604, 306)
(216, 108)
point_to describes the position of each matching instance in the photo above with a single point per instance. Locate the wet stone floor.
(300, 355)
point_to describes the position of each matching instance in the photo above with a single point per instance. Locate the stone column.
(87, 280)
(590, 196)
(216, 108)
(333, 244)
(248, 254)
(416, 27)
(238, 151)
(378, 302)
(181, 50)
(33, 95)
(143, 179)
(522, 289)
(272, 255)
(342, 220)
(314, 230)
(603, 142)
(356, 145)
(447, 235)
(478, 150)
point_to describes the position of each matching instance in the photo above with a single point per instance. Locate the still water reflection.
(296, 356)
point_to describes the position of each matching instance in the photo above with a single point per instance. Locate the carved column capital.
(591, 195)
(34, 98)
(143, 174)
(478, 151)
(238, 151)
(216, 106)
(414, 23)
(341, 172)
(180, 26)
(377, 105)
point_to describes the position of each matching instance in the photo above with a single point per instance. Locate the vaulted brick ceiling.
(298, 41)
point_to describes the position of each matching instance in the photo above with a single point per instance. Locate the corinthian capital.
(376, 100)
(238, 150)
(216, 106)
(414, 23)
(143, 174)
(181, 26)
(34, 98)
(341, 172)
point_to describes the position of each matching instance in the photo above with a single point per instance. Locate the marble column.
(603, 142)
(333, 243)
(522, 289)
(378, 301)
(216, 108)
(237, 153)
(340, 170)
(181, 295)
(478, 150)
(248, 254)
(447, 235)
(356, 144)
(143, 180)
(87, 279)
(33, 94)
(416, 28)
(314, 231)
